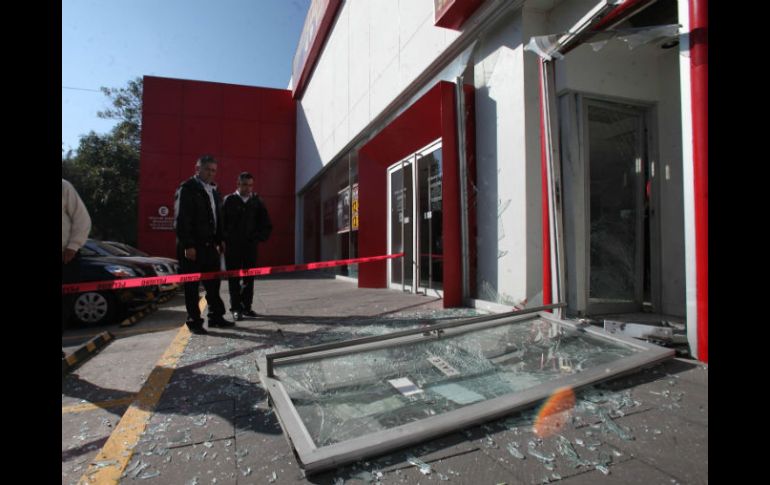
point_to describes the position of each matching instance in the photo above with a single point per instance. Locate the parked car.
(100, 307)
(161, 266)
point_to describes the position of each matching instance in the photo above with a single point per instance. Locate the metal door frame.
(414, 286)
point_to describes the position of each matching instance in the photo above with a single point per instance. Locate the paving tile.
(183, 425)
(668, 443)
(198, 463)
(629, 472)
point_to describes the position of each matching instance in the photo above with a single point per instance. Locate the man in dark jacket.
(245, 224)
(198, 224)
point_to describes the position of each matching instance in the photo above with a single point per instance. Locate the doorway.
(415, 200)
(608, 176)
(617, 158)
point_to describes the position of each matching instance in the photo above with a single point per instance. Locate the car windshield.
(129, 249)
(104, 249)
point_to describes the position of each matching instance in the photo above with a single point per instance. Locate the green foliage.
(105, 168)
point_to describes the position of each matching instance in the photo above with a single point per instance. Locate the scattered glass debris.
(565, 449)
(540, 456)
(425, 469)
(514, 451)
(614, 428)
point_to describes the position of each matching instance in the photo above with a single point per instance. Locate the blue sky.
(109, 42)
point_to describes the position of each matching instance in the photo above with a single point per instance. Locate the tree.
(105, 169)
(127, 108)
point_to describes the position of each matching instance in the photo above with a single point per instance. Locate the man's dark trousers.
(241, 256)
(207, 259)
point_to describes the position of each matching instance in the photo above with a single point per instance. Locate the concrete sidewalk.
(212, 422)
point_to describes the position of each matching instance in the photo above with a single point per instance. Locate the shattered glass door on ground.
(348, 396)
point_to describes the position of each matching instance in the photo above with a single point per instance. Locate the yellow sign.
(354, 209)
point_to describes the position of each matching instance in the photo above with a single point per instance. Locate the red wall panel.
(277, 141)
(158, 171)
(202, 99)
(281, 211)
(274, 176)
(241, 103)
(240, 138)
(277, 107)
(161, 133)
(201, 135)
(228, 170)
(162, 96)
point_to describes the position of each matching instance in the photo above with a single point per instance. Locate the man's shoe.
(250, 313)
(220, 322)
(198, 331)
(237, 316)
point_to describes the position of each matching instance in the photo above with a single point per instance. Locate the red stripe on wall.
(547, 297)
(699, 93)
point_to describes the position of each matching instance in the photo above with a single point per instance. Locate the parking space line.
(92, 406)
(108, 465)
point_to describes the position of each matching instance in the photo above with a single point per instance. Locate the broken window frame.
(313, 458)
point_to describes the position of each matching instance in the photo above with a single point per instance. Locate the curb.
(85, 351)
(153, 307)
(138, 316)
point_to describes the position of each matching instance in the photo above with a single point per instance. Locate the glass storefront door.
(414, 223)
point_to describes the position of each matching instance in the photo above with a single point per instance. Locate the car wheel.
(93, 308)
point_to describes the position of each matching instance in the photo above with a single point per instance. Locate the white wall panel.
(503, 210)
(376, 48)
(358, 62)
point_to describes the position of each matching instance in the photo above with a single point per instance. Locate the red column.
(546, 229)
(699, 97)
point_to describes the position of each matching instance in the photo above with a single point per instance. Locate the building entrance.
(415, 222)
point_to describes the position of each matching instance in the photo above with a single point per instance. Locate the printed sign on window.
(354, 207)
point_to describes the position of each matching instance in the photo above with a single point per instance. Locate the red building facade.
(245, 128)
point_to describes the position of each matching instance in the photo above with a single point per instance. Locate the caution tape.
(193, 277)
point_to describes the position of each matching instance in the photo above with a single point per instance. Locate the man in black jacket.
(198, 224)
(245, 224)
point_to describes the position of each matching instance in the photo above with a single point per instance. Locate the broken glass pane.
(341, 397)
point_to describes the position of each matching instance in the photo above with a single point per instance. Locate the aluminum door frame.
(412, 159)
